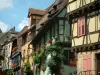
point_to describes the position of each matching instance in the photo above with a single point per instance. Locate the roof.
(24, 30)
(33, 11)
(60, 5)
(7, 35)
(57, 7)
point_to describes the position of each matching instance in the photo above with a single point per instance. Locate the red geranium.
(43, 68)
(42, 46)
(14, 65)
(37, 49)
(48, 41)
(72, 63)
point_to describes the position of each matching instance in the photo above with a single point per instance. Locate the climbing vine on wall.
(57, 56)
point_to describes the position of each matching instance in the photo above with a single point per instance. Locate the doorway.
(98, 63)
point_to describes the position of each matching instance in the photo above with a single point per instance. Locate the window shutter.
(81, 26)
(87, 62)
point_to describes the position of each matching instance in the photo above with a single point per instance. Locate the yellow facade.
(75, 4)
(93, 26)
(25, 52)
(91, 37)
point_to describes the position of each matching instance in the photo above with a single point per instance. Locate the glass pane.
(67, 29)
(42, 41)
(53, 32)
(66, 62)
(45, 37)
(48, 34)
(55, 29)
(62, 13)
(61, 37)
(60, 22)
(60, 29)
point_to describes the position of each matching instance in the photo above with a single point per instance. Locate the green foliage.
(56, 56)
(27, 67)
(41, 52)
(36, 58)
(10, 72)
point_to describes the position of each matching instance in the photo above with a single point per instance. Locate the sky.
(13, 13)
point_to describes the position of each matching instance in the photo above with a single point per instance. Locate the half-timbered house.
(84, 18)
(53, 27)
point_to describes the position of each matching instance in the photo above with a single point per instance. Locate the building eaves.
(62, 4)
(24, 30)
(33, 11)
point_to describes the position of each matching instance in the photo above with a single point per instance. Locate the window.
(53, 31)
(81, 26)
(68, 55)
(48, 35)
(61, 30)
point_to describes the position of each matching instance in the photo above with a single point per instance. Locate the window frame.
(80, 26)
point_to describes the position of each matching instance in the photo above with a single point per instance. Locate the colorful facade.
(16, 58)
(84, 20)
(53, 27)
(26, 35)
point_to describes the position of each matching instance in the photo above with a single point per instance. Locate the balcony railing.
(90, 72)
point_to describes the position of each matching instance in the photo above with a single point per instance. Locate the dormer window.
(49, 12)
(55, 7)
(81, 26)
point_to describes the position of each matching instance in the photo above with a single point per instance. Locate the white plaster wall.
(7, 61)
